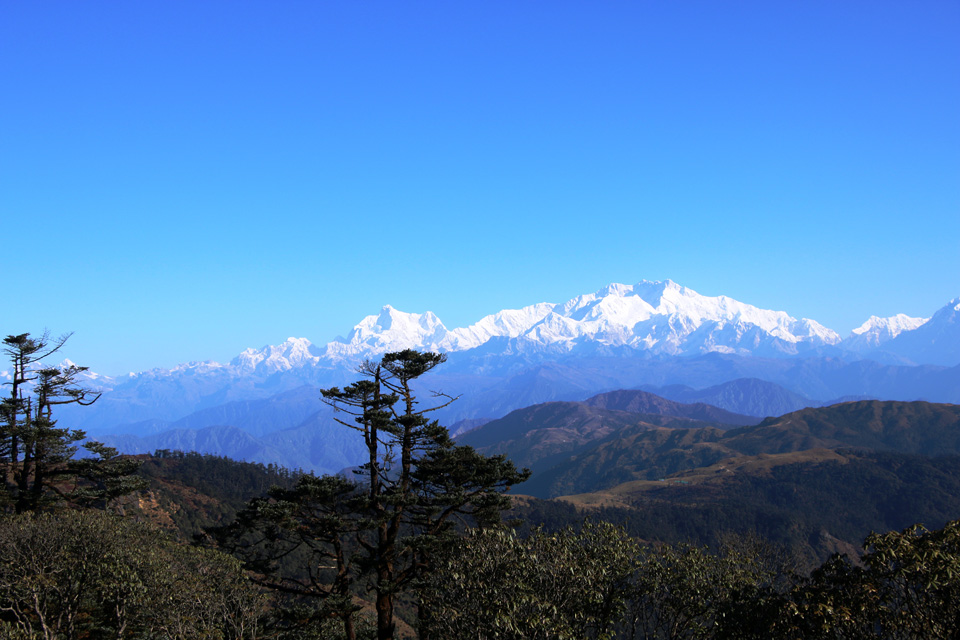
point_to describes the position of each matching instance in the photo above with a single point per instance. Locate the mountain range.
(603, 459)
(816, 481)
(658, 336)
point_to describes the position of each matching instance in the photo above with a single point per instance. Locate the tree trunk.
(385, 625)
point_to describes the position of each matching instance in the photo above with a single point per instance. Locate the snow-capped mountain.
(654, 321)
(652, 317)
(669, 319)
(648, 318)
(391, 330)
(292, 353)
(509, 323)
(85, 378)
(620, 337)
(877, 331)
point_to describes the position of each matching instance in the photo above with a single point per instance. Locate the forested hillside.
(189, 492)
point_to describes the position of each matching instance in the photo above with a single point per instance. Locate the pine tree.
(381, 529)
(36, 456)
(416, 481)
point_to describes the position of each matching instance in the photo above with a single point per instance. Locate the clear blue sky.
(181, 180)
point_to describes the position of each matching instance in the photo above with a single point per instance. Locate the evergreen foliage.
(560, 586)
(199, 491)
(376, 533)
(812, 509)
(36, 456)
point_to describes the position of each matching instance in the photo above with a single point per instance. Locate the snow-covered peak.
(508, 323)
(390, 330)
(97, 380)
(86, 378)
(290, 354)
(655, 317)
(665, 317)
(193, 367)
(878, 330)
(656, 291)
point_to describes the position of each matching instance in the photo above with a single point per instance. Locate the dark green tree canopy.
(378, 530)
(36, 456)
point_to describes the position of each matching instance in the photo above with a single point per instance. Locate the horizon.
(341, 337)
(181, 182)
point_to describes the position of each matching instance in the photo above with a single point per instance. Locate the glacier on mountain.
(509, 323)
(391, 330)
(666, 318)
(292, 353)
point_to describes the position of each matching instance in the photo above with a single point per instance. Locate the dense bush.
(600, 583)
(88, 574)
(562, 586)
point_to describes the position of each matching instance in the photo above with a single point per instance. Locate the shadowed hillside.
(545, 434)
(649, 454)
(636, 401)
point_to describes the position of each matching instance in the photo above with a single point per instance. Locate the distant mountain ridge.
(636, 401)
(652, 335)
(747, 396)
(649, 454)
(315, 444)
(654, 318)
(544, 434)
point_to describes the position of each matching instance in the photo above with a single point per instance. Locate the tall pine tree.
(36, 456)
(377, 533)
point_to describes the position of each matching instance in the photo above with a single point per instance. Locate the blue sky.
(179, 181)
